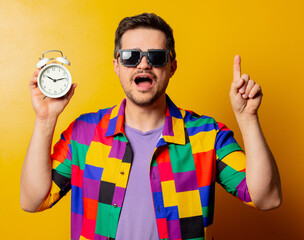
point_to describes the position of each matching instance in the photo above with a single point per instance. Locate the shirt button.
(122, 172)
(115, 205)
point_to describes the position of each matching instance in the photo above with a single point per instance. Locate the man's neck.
(145, 118)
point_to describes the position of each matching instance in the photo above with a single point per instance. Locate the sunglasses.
(155, 57)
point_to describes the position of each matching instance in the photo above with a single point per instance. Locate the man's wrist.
(247, 120)
(47, 125)
(244, 117)
(46, 120)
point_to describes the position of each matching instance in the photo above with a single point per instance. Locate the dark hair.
(145, 20)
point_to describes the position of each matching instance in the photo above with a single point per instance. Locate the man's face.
(144, 85)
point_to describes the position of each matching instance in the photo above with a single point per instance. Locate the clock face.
(54, 80)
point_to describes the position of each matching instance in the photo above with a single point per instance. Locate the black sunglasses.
(132, 57)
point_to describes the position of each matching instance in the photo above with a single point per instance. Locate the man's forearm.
(36, 173)
(262, 175)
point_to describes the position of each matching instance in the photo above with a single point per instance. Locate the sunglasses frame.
(146, 54)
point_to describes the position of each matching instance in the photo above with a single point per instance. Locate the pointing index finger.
(237, 68)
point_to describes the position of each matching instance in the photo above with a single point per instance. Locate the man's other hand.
(245, 93)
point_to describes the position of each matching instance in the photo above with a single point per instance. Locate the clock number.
(48, 71)
(55, 91)
(53, 69)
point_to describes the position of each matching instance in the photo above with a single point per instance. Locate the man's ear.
(116, 66)
(173, 67)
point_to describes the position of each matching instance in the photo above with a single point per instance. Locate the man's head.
(144, 80)
(144, 20)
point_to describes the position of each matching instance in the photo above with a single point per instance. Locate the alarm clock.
(54, 80)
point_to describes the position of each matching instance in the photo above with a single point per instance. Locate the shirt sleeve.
(231, 165)
(61, 170)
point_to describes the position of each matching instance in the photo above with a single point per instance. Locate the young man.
(146, 169)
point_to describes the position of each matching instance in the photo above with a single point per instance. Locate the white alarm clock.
(54, 80)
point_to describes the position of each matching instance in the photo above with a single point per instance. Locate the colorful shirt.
(93, 158)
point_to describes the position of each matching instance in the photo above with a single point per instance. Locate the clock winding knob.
(63, 60)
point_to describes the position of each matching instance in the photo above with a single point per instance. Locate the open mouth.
(145, 82)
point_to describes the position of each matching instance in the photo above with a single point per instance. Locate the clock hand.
(60, 79)
(51, 78)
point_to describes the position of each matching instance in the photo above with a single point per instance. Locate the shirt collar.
(174, 127)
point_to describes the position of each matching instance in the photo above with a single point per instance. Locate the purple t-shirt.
(137, 219)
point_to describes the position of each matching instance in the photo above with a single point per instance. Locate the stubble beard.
(144, 102)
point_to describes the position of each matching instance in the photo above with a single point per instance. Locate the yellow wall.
(267, 34)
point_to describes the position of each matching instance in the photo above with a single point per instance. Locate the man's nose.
(144, 63)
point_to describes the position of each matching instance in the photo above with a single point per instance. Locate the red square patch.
(205, 165)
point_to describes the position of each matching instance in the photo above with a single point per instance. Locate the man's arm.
(36, 175)
(262, 175)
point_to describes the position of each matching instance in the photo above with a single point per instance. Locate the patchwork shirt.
(93, 158)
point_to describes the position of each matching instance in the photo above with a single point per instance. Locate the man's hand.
(245, 94)
(49, 108)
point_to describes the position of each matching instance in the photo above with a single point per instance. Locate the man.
(176, 155)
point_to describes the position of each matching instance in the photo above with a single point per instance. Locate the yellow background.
(269, 37)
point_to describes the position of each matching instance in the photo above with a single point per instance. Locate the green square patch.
(103, 219)
(107, 220)
(115, 212)
(79, 152)
(181, 158)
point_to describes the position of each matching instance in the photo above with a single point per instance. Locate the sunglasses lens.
(130, 58)
(158, 58)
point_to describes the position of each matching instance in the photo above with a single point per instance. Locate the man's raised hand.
(49, 108)
(245, 94)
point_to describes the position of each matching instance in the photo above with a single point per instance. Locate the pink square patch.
(77, 176)
(165, 171)
(88, 228)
